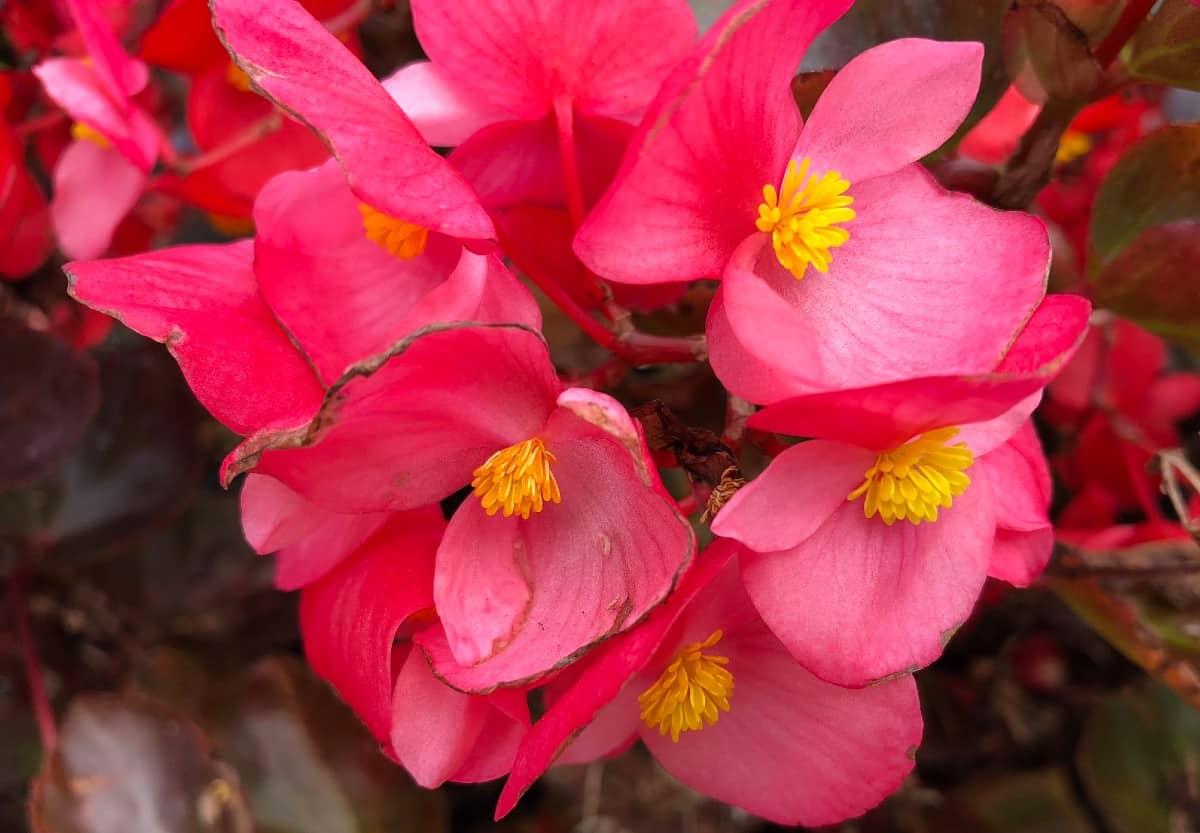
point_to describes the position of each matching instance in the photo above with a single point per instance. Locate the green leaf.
(1156, 182)
(1138, 760)
(1166, 49)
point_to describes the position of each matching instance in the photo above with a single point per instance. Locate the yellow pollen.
(909, 483)
(404, 240)
(86, 133)
(689, 692)
(237, 77)
(1073, 145)
(517, 479)
(803, 219)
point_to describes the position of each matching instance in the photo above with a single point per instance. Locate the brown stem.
(42, 712)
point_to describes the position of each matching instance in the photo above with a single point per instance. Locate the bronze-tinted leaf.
(1166, 49)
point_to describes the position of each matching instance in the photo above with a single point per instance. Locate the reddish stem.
(564, 118)
(1131, 18)
(42, 712)
(39, 123)
(236, 144)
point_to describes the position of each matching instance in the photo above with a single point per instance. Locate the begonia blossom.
(872, 540)
(724, 708)
(833, 243)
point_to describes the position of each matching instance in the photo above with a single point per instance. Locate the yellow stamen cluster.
(402, 239)
(1073, 145)
(87, 133)
(237, 77)
(803, 219)
(517, 479)
(689, 692)
(912, 481)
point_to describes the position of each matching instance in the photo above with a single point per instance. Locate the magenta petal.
(608, 58)
(504, 725)
(408, 427)
(518, 598)
(94, 188)
(309, 540)
(310, 73)
(894, 304)
(721, 128)
(349, 618)
(202, 302)
(124, 76)
(859, 601)
(796, 494)
(604, 673)
(891, 106)
(1020, 481)
(792, 748)
(444, 112)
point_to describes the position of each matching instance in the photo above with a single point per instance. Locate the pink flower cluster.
(378, 356)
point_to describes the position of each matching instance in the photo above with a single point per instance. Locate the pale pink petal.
(409, 427)
(721, 128)
(891, 106)
(310, 73)
(94, 188)
(444, 112)
(894, 304)
(309, 541)
(350, 617)
(518, 598)
(776, 511)
(203, 303)
(123, 75)
(859, 600)
(608, 58)
(794, 749)
(603, 675)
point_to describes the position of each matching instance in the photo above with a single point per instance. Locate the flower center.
(689, 692)
(237, 77)
(1073, 145)
(912, 481)
(399, 238)
(517, 479)
(803, 219)
(86, 133)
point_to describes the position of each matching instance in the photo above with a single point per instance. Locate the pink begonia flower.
(351, 620)
(833, 243)
(753, 728)
(569, 536)
(872, 540)
(406, 190)
(101, 174)
(543, 118)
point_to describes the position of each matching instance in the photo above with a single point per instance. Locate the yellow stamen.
(237, 77)
(912, 481)
(803, 219)
(689, 692)
(1073, 145)
(86, 133)
(404, 240)
(517, 479)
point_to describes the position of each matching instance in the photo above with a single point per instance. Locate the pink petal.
(891, 106)
(609, 59)
(518, 598)
(94, 188)
(892, 304)
(203, 303)
(1019, 479)
(318, 270)
(124, 76)
(770, 513)
(604, 673)
(792, 748)
(996, 137)
(350, 617)
(444, 112)
(306, 70)
(310, 541)
(721, 128)
(78, 88)
(859, 601)
(438, 733)
(409, 427)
